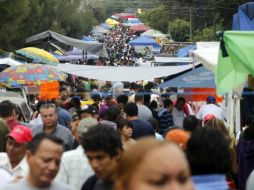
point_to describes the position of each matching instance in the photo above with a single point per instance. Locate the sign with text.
(49, 90)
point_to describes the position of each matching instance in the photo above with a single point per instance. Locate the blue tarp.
(144, 41)
(196, 78)
(244, 18)
(88, 39)
(133, 21)
(183, 52)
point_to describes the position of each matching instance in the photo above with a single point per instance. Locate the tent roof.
(196, 78)
(93, 47)
(183, 52)
(243, 19)
(207, 54)
(99, 29)
(152, 33)
(139, 28)
(144, 41)
(162, 60)
(10, 62)
(121, 73)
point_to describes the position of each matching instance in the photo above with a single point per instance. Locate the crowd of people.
(119, 52)
(123, 143)
(122, 136)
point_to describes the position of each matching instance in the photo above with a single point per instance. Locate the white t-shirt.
(178, 117)
(210, 109)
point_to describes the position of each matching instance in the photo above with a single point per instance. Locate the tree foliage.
(156, 18)
(20, 19)
(179, 30)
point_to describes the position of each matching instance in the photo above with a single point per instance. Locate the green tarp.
(235, 61)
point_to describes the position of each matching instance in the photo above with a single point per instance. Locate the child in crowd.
(125, 129)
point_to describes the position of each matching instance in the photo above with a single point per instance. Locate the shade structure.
(99, 30)
(89, 39)
(111, 22)
(243, 19)
(184, 52)
(121, 73)
(9, 61)
(195, 78)
(29, 75)
(106, 26)
(152, 33)
(93, 47)
(144, 41)
(65, 58)
(235, 60)
(139, 28)
(38, 55)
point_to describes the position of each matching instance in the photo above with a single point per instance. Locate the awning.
(207, 54)
(121, 73)
(196, 78)
(93, 47)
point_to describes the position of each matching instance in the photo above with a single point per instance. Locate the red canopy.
(139, 28)
(128, 16)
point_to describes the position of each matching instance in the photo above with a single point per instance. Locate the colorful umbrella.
(29, 75)
(38, 55)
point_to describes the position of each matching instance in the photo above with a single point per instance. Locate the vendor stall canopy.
(244, 18)
(93, 47)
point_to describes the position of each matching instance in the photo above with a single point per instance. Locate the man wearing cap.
(88, 111)
(210, 108)
(14, 159)
(43, 157)
(75, 168)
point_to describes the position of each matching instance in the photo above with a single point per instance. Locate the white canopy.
(9, 61)
(158, 59)
(207, 54)
(121, 73)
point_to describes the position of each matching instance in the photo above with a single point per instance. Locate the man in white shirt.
(75, 168)
(178, 113)
(210, 108)
(43, 157)
(14, 160)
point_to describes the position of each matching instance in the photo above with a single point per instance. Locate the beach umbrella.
(38, 55)
(29, 75)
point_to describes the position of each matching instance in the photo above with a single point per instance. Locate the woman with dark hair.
(209, 157)
(125, 129)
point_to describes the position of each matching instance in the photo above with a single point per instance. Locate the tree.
(12, 15)
(156, 18)
(179, 30)
(208, 33)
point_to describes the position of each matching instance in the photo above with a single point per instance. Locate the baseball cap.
(208, 117)
(88, 109)
(211, 99)
(178, 136)
(21, 134)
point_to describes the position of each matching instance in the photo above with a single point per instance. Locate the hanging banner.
(200, 94)
(49, 90)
